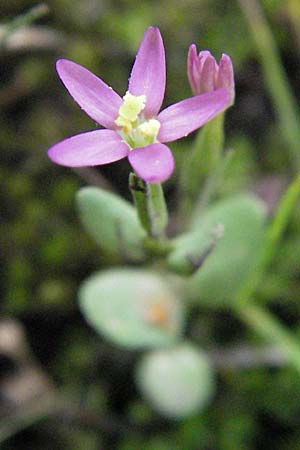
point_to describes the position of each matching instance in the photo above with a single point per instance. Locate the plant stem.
(275, 76)
(244, 357)
(271, 241)
(271, 329)
(259, 319)
(213, 183)
(151, 206)
(200, 163)
(33, 14)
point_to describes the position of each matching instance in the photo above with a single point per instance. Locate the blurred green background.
(45, 254)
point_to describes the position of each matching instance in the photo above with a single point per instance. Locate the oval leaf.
(178, 382)
(112, 223)
(132, 308)
(227, 265)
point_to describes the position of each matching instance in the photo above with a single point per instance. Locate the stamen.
(132, 106)
(149, 128)
(135, 130)
(124, 123)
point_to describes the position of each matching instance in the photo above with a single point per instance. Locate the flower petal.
(153, 163)
(94, 96)
(207, 76)
(186, 116)
(89, 149)
(225, 77)
(148, 75)
(192, 60)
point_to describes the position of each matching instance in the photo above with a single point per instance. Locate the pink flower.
(205, 75)
(134, 126)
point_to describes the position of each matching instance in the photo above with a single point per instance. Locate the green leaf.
(178, 382)
(225, 269)
(192, 249)
(112, 223)
(133, 308)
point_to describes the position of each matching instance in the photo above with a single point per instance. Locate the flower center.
(134, 128)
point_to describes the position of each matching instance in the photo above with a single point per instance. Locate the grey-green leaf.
(224, 270)
(178, 382)
(112, 223)
(133, 308)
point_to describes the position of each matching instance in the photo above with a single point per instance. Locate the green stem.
(213, 183)
(275, 76)
(200, 163)
(158, 209)
(271, 329)
(158, 247)
(259, 319)
(138, 190)
(272, 238)
(151, 206)
(33, 14)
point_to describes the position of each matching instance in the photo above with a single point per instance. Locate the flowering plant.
(175, 294)
(139, 308)
(143, 308)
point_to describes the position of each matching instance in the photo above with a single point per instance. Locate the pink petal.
(207, 76)
(186, 116)
(225, 78)
(192, 60)
(203, 55)
(153, 163)
(95, 97)
(196, 65)
(148, 75)
(89, 149)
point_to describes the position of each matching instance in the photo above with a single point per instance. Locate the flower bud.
(205, 75)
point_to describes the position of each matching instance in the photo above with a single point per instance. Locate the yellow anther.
(135, 130)
(149, 128)
(132, 106)
(124, 123)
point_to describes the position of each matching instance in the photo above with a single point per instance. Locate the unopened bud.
(205, 75)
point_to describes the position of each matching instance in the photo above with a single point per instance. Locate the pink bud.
(205, 75)
(193, 67)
